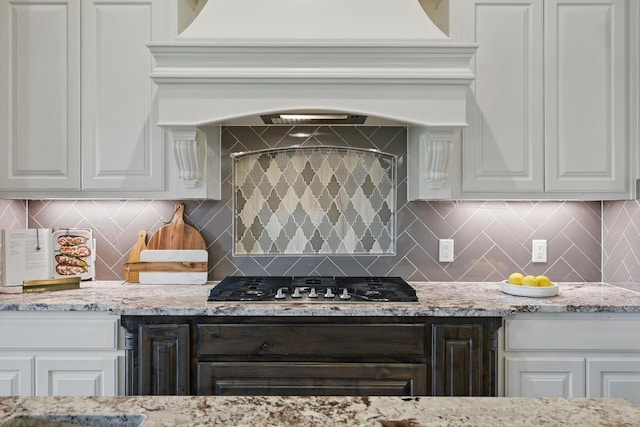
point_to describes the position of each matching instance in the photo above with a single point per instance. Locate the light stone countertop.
(435, 299)
(337, 411)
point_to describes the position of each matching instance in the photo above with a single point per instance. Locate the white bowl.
(530, 291)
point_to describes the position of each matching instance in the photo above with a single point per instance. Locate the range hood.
(240, 61)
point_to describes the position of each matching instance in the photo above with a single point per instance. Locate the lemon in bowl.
(543, 281)
(515, 278)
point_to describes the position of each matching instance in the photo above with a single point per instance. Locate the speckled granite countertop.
(435, 299)
(338, 411)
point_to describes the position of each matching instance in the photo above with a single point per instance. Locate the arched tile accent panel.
(313, 201)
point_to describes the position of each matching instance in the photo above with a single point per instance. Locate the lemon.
(515, 279)
(543, 281)
(529, 281)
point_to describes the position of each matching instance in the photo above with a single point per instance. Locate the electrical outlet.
(445, 253)
(538, 251)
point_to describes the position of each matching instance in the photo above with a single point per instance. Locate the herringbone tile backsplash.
(492, 239)
(621, 244)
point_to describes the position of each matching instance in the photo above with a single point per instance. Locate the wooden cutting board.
(173, 267)
(177, 234)
(175, 254)
(134, 256)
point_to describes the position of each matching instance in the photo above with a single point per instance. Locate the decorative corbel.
(435, 147)
(187, 152)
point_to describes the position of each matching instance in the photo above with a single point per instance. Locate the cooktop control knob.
(345, 295)
(329, 293)
(313, 293)
(296, 293)
(280, 294)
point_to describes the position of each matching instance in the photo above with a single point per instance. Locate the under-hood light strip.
(314, 116)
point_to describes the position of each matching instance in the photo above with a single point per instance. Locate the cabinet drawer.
(280, 339)
(56, 332)
(311, 379)
(565, 334)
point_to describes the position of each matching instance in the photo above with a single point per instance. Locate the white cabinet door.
(76, 375)
(60, 353)
(548, 109)
(39, 94)
(585, 95)
(16, 375)
(122, 147)
(545, 377)
(503, 145)
(56, 55)
(614, 377)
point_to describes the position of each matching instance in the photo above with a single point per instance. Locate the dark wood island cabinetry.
(209, 355)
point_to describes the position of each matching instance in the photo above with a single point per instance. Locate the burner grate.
(313, 289)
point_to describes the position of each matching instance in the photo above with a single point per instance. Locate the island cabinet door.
(464, 359)
(163, 360)
(311, 379)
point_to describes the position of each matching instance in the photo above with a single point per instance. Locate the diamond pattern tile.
(314, 200)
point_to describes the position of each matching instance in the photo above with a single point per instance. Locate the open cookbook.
(44, 253)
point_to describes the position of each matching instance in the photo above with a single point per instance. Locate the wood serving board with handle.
(175, 254)
(132, 276)
(172, 266)
(177, 234)
(167, 266)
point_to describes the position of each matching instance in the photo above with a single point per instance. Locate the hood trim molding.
(420, 83)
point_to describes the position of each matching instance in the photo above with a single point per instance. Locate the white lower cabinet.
(16, 375)
(572, 355)
(60, 354)
(76, 376)
(544, 377)
(614, 377)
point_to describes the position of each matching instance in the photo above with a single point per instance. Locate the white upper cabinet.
(80, 113)
(549, 110)
(121, 144)
(78, 109)
(586, 91)
(39, 94)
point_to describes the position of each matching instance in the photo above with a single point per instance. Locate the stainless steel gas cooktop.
(312, 289)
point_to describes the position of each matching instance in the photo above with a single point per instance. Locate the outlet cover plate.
(445, 252)
(538, 251)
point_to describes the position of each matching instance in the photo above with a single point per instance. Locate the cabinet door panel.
(458, 363)
(122, 145)
(585, 96)
(40, 94)
(503, 145)
(545, 377)
(614, 377)
(16, 375)
(311, 379)
(164, 360)
(76, 376)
